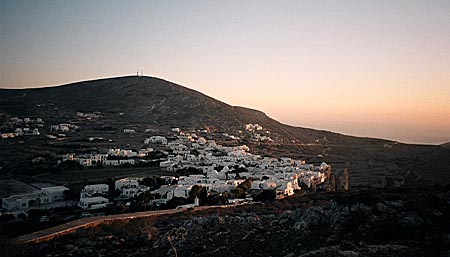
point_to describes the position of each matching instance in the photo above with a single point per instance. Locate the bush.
(265, 196)
(176, 201)
(22, 216)
(71, 165)
(6, 218)
(237, 193)
(246, 185)
(200, 192)
(189, 171)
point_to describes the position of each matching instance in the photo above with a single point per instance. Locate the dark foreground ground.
(364, 222)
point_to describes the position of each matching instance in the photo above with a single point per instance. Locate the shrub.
(265, 196)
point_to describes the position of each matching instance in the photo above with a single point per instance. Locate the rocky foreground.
(365, 222)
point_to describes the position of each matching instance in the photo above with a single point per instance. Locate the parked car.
(86, 215)
(44, 219)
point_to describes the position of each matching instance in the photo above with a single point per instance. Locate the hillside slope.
(141, 102)
(145, 99)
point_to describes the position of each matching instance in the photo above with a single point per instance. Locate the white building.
(21, 201)
(86, 162)
(93, 202)
(284, 188)
(129, 187)
(258, 184)
(156, 140)
(64, 127)
(127, 161)
(55, 193)
(97, 189)
(111, 162)
(36, 199)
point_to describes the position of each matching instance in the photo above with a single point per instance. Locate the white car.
(44, 219)
(86, 214)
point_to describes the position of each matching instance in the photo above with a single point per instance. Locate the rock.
(199, 249)
(283, 221)
(286, 214)
(371, 250)
(360, 207)
(410, 221)
(302, 228)
(313, 216)
(69, 246)
(218, 250)
(398, 205)
(383, 208)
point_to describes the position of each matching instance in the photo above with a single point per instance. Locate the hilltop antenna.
(137, 73)
(142, 72)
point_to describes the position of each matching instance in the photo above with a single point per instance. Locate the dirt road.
(70, 227)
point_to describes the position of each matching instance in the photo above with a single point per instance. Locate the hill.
(446, 145)
(147, 102)
(144, 99)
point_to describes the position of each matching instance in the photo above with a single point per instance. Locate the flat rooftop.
(15, 187)
(40, 185)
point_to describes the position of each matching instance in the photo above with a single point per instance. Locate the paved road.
(51, 233)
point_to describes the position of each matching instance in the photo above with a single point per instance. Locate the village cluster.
(18, 127)
(219, 169)
(216, 163)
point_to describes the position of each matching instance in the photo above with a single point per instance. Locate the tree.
(22, 216)
(71, 165)
(246, 185)
(141, 202)
(237, 193)
(200, 192)
(265, 196)
(218, 199)
(188, 171)
(71, 195)
(6, 218)
(176, 201)
(218, 168)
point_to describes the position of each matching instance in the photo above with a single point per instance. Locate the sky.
(366, 68)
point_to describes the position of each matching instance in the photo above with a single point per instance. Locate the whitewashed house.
(92, 203)
(258, 185)
(36, 199)
(55, 193)
(86, 162)
(129, 187)
(108, 162)
(156, 140)
(21, 201)
(97, 189)
(284, 188)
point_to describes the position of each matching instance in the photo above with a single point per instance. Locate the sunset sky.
(368, 68)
